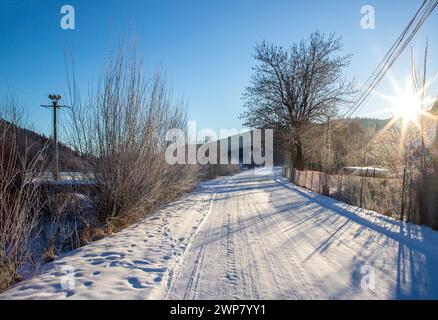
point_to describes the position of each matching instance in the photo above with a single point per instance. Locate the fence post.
(402, 209)
(324, 183)
(410, 204)
(319, 183)
(311, 182)
(361, 188)
(305, 180)
(340, 185)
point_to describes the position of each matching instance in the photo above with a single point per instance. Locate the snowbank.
(136, 263)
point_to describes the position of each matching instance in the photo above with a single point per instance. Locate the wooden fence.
(385, 195)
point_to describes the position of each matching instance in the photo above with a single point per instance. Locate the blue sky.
(204, 47)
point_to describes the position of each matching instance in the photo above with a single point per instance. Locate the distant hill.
(69, 160)
(372, 123)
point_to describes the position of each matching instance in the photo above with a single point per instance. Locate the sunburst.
(406, 105)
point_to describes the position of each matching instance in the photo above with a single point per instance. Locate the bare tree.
(120, 130)
(11, 111)
(290, 89)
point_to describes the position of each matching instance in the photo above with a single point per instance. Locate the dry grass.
(19, 201)
(8, 275)
(91, 234)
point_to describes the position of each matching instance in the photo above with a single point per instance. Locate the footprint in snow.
(135, 283)
(111, 253)
(97, 262)
(144, 262)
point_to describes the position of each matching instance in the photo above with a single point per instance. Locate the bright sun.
(407, 106)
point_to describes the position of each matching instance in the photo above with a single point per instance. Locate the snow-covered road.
(251, 236)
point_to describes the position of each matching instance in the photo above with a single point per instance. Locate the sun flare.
(406, 103)
(407, 106)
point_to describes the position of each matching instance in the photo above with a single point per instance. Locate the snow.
(66, 179)
(250, 236)
(133, 264)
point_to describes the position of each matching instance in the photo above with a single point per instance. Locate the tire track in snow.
(194, 278)
(284, 287)
(232, 275)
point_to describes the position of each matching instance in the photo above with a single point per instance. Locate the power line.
(408, 33)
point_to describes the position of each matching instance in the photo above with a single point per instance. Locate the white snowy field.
(250, 236)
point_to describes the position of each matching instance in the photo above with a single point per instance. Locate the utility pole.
(55, 100)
